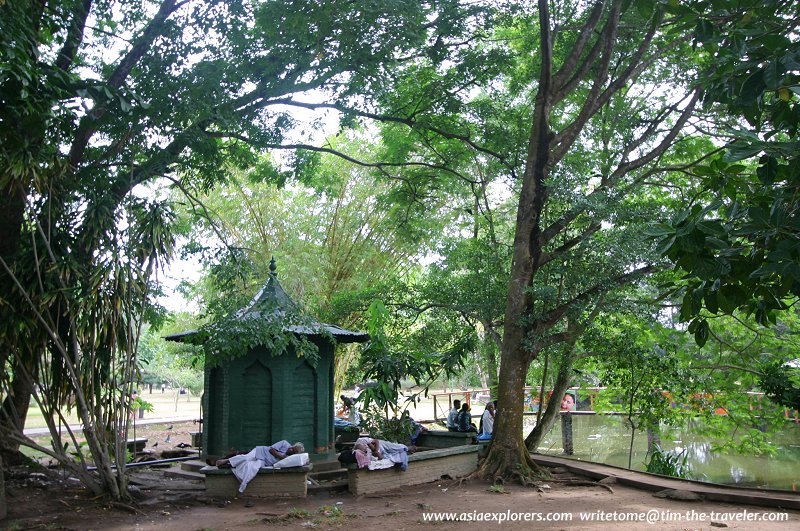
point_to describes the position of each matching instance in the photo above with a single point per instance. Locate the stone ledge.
(444, 439)
(423, 467)
(216, 471)
(268, 483)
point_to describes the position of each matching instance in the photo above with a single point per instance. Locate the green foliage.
(140, 403)
(740, 251)
(668, 463)
(781, 383)
(383, 362)
(235, 335)
(381, 426)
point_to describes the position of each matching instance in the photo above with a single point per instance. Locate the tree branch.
(74, 35)
(565, 79)
(409, 121)
(88, 123)
(569, 244)
(558, 312)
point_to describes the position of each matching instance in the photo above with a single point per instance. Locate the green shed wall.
(259, 399)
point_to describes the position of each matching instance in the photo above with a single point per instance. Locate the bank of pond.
(605, 439)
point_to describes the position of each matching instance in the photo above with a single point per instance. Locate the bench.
(444, 439)
(136, 445)
(268, 483)
(423, 467)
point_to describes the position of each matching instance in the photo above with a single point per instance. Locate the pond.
(606, 439)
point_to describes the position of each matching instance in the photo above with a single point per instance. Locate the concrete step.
(193, 465)
(328, 474)
(337, 485)
(180, 473)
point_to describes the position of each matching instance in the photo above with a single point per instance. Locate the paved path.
(139, 422)
(709, 491)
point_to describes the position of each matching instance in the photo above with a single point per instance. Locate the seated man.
(245, 467)
(464, 419)
(452, 417)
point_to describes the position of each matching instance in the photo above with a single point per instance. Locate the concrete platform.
(422, 467)
(654, 482)
(268, 483)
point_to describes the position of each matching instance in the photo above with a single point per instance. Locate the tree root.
(125, 507)
(582, 483)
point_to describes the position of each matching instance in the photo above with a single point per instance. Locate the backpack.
(347, 456)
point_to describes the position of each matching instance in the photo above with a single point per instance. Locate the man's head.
(490, 406)
(457, 404)
(296, 448)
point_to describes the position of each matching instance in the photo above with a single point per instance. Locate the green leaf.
(659, 230)
(752, 88)
(701, 333)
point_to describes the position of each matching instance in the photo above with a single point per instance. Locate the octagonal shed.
(258, 398)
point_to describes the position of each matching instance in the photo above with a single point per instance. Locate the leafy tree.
(388, 359)
(98, 98)
(738, 243)
(334, 231)
(536, 123)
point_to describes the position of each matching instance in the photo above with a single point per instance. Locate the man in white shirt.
(452, 417)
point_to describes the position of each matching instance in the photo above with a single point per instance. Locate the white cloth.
(354, 417)
(245, 467)
(380, 464)
(488, 423)
(292, 461)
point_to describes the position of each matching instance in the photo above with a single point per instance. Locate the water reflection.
(606, 439)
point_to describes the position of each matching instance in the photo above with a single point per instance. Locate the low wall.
(423, 467)
(269, 483)
(444, 439)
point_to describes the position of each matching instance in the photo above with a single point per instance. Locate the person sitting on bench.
(465, 419)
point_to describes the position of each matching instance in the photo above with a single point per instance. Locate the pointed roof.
(272, 302)
(270, 297)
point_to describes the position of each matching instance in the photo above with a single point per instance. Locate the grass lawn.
(169, 404)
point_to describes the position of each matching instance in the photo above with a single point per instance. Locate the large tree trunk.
(13, 414)
(508, 458)
(3, 504)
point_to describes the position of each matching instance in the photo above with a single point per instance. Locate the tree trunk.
(508, 458)
(490, 356)
(13, 414)
(3, 504)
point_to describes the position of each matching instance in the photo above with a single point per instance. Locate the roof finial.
(272, 267)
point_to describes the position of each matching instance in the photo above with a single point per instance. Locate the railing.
(586, 397)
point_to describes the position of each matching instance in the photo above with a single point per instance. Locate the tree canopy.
(551, 161)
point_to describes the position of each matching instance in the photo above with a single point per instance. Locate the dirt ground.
(41, 501)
